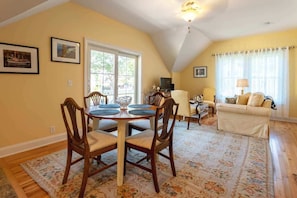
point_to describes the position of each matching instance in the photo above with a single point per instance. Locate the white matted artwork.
(18, 59)
(65, 51)
(200, 72)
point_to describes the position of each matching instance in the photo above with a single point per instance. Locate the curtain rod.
(255, 50)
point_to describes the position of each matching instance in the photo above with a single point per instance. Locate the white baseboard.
(293, 120)
(25, 146)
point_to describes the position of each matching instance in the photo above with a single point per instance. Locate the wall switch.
(69, 82)
(52, 129)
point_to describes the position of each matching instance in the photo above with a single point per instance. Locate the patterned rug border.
(6, 189)
(202, 175)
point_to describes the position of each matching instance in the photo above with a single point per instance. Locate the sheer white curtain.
(266, 71)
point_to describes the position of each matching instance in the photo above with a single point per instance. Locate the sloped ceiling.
(219, 20)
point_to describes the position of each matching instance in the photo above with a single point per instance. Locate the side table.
(201, 110)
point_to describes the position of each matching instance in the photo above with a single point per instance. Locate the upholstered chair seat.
(143, 139)
(144, 124)
(100, 139)
(104, 125)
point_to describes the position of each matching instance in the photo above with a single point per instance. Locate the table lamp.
(242, 83)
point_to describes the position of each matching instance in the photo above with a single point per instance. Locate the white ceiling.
(219, 20)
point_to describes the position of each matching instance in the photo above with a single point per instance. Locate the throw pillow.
(242, 99)
(255, 100)
(230, 100)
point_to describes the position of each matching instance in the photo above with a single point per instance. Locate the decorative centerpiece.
(124, 101)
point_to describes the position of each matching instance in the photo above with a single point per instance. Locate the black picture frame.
(65, 51)
(200, 72)
(19, 59)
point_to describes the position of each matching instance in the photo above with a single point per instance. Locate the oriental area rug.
(208, 164)
(6, 189)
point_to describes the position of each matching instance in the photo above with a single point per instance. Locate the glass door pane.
(102, 73)
(126, 76)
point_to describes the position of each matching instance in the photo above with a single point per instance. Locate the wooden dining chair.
(151, 142)
(155, 99)
(93, 99)
(87, 144)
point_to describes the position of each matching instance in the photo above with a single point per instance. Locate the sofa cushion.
(255, 100)
(266, 104)
(243, 109)
(242, 99)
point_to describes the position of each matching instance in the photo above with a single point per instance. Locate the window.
(266, 70)
(111, 71)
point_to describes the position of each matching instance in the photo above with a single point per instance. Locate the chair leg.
(68, 164)
(98, 159)
(171, 158)
(188, 123)
(129, 130)
(85, 176)
(154, 172)
(199, 118)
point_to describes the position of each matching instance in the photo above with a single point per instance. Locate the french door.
(111, 72)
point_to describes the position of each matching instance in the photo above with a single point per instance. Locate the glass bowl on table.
(123, 101)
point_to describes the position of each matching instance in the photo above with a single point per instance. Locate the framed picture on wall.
(65, 51)
(200, 72)
(18, 59)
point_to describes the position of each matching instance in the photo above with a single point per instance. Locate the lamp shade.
(242, 83)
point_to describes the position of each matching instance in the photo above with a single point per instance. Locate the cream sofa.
(249, 116)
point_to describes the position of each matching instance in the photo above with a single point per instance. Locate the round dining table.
(122, 116)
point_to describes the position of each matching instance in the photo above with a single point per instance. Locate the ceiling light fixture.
(190, 9)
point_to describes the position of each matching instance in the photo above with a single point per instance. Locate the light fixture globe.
(190, 9)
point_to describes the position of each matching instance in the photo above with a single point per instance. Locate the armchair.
(186, 109)
(209, 97)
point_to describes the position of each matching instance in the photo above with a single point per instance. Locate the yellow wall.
(30, 103)
(276, 39)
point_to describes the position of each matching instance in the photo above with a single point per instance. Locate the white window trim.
(88, 42)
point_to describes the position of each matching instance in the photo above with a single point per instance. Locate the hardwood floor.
(16, 173)
(283, 144)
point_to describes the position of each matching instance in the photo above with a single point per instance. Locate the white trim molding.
(292, 120)
(25, 146)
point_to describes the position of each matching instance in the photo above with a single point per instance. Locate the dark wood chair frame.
(163, 136)
(154, 99)
(78, 142)
(96, 98)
